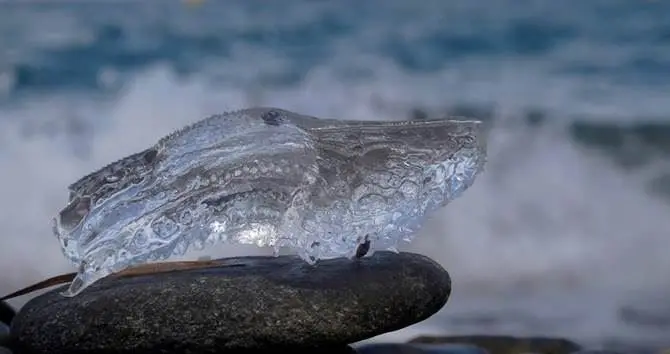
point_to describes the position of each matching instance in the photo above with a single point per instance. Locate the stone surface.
(587, 351)
(7, 312)
(507, 344)
(247, 303)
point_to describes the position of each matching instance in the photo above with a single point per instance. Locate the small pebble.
(7, 312)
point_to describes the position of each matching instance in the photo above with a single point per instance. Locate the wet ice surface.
(268, 177)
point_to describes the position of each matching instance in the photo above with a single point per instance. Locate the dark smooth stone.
(599, 351)
(7, 313)
(405, 348)
(246, 303)
(5, 337)
(507, 344)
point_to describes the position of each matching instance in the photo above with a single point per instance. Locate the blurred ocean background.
(567, 233)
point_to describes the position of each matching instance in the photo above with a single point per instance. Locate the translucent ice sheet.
(268, 177)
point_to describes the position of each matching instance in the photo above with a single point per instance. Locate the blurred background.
(566, 233)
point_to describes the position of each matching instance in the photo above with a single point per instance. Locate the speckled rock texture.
(251, 304)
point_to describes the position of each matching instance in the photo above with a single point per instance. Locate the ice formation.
(268, 177)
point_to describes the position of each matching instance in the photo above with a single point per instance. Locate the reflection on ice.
(268, 177)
